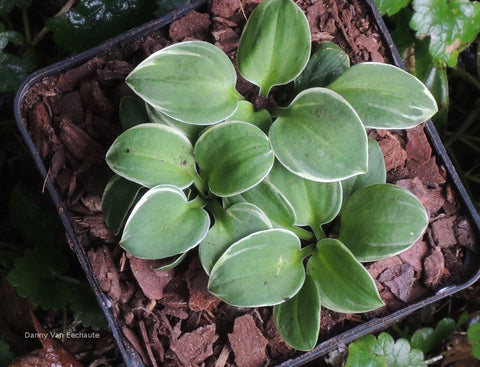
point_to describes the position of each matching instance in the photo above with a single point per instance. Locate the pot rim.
(129, 354)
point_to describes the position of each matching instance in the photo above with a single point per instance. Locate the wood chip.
(248, 343)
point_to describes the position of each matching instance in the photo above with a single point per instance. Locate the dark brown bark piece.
(465, 234)
(194, 25)
(415, 256)
(96, 227)
(418, 147)
(434, 266)
(194, 348)
(428, 172)
(442, 231)
(225, 9)
(399, 280)
(105, 272)
(392, 150)
(248, 343)
(151, 281)
(200, 299)
(431, 198)
(133, 339)
(277, 347)
(70, 79)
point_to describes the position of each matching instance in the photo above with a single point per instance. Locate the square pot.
(84, 64)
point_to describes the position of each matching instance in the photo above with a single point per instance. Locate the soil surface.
(170, 317)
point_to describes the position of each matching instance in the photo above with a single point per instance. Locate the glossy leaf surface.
(320, 137)
(231, 225)
(381, 220)
(262, 269)
(191, 81)
(275, 44)
(344, 284)
(153, 154)
(117, 200)
(298, 319)
(233, 156)
(391, 7)
(164, 223)
(327, 63)
(384, 96)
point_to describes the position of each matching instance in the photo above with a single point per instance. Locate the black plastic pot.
(129, 354)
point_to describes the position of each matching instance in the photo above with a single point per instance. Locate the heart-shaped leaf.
(327, 63)
(153, 154)
(298, 319)
(191, 81)
(164, 223)
(233, 157)
(320, 137)
(262, 269)
(246, 112)
(132, 112)
(315, 203)
(190, 131)
(275, 44)
(376, 171)
(385, 96)
(117, 200)
(381, 220)
(231, 225)
(344, 284)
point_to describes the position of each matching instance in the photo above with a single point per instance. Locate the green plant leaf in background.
(383, 352)
(165, 6)
(473, 335)
(93, 21)
(381, 220)
(231, 225)
(327, 63)
(391, 7)
(164, 223)
(298, 319)
(385, 96)
(132, 112)
(117, 200)
(451, 26)
(344, 284)
(425, 339)
(320, 137)
(6, 357)
(262, 269)
(314, 203)
(153, 154)
(275, 44)
(86, 309)
(6, 6)
(233, 157)
(192, 81)
(246, 112)
(376, 171)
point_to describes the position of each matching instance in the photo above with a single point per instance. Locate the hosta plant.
(283, 205)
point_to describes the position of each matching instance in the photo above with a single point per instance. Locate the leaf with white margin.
(164, 223)
(380, 221)
(231, 225)
(262, 269)
(385, 96)
(233, 156)
(153, 154)
(298, 319)
(344, 284)
(190, 81)
(320, 137)
(275, 44)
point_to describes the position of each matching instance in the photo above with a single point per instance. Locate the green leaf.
(117, 200)
(262, 269)
(193, 82)
(342, 290)
(376, 174)
(384, 352)
(94, 21)
(6, 6)
(403, 36)
(320, 137)
(452, 26)
(246, 112)
(153, 154)
(165, 6)
(391, 7)
(164, 223)
(425, 339)
(37, 276)
(327, 63)
(132, 112)
(298, 319)
(190, 131)
(381, 220)
(385, 96)
(315, 203)
(275, 44)
(86, 309)
(231, 225)
(473, 335)
(233, 157)
(5, 355)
